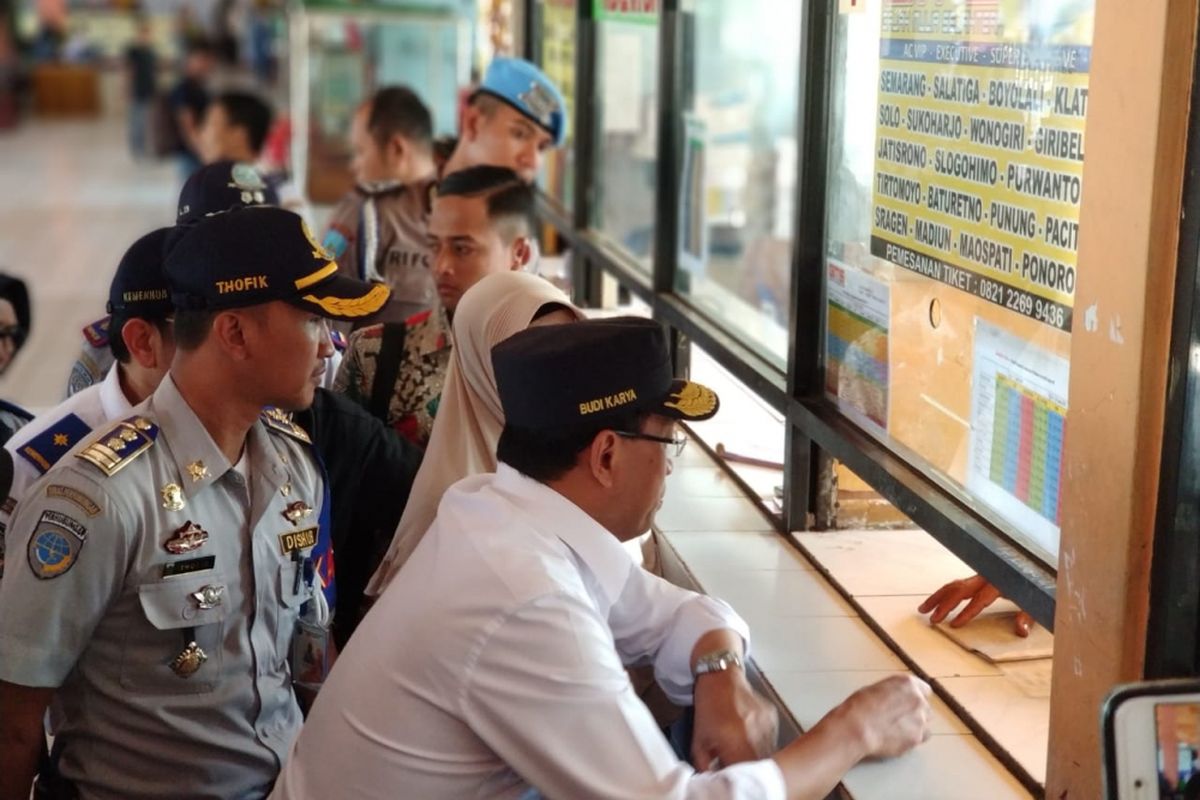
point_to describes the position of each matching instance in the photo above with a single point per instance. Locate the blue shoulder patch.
(339, 340)
(45, 449)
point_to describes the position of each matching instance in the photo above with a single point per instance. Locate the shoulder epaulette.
(281, 421)
(96, 334)
(44, 450)
(118, 446)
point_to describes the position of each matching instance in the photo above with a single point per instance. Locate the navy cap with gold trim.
(139, 288)
(222, 186)
(259, 254)
(584, 373)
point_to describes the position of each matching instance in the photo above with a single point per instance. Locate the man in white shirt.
(142, 348)
(494, 665)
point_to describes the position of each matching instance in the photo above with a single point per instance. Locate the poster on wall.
(979, 148)
(1018, 413)
(858, 313)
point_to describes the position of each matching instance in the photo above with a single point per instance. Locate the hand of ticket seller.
(733, 723)
(981, 595)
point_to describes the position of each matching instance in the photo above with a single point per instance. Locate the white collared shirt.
(97, 404)
(494, 662)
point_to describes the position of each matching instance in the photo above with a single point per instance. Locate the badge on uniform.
(300, 540)
(55, 544)
(190, 659)
(297, 511)
(172, 497)
(187, 537)
(310, 654)
(209, 597)
(197, 470)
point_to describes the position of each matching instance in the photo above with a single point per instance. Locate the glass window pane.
(557, 37)
(626, 134)
(739, 166)
(955, 180)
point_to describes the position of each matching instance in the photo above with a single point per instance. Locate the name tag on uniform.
(299, 540)
(188, 566)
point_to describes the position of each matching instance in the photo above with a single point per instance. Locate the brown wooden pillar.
(1140, 86)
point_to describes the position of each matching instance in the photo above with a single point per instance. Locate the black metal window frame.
(974, 534)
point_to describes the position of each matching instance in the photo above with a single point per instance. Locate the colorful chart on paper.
(1027, 447)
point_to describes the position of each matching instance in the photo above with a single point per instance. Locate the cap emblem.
(540, 102)
(246, 179)
(694, 400)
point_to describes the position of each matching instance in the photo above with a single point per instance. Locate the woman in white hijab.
(469, 418)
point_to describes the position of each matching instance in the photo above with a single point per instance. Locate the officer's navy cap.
(557, 377)
(259, 254)
(140, 289)
(527, 89)
(223, 186)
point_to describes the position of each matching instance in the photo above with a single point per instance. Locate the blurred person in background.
(141, 67)
(188, 101)
(378, 231)
(235, 128)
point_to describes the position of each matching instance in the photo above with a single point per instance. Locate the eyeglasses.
(675, 445)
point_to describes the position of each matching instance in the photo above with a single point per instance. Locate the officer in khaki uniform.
(168, 558)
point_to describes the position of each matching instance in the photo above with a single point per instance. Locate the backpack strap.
(387, 368)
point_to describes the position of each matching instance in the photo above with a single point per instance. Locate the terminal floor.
(72, 200)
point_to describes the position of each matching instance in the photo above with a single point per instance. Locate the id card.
(310, 655)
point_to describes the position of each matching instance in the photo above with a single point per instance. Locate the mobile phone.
(1152, 741)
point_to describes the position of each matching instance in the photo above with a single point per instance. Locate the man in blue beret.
(512, 120)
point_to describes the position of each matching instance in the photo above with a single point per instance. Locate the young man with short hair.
(187, 102)
(235, 128)
(495, 665)
(482, 223)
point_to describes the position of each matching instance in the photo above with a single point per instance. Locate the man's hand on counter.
(980, 595)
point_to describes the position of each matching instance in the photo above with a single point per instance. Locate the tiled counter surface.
(814, 649)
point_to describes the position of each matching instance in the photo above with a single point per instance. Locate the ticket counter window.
(739, 166)
(955, 180)
(556, 34)
(626, 136)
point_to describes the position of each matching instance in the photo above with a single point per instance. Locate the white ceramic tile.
(705, 552)
(812, 695)
(682, 513)
(934, 653)
(759, 595)
(944, 768)
(819, 644)
(884, 562)
(1019, 723)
